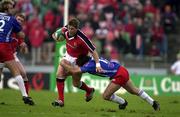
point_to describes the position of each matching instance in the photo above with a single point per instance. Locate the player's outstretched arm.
(96, 58)
(69, 68)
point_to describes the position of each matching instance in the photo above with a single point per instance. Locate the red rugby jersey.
(77, 45)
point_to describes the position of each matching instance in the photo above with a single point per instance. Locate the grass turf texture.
(11, 105)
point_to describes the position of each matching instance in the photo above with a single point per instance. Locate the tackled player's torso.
(75, 46)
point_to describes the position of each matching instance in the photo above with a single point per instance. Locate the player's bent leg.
(134, 90)
(27, 100)
(60, 88)
(60, 79)
(89, 95)
(60, 71)
(81, 85)
(77, 80)
(150, 100)
(22, 71)
(110, 89)
(110, 96)
(129, 86)
(24, 75)
(11, 65)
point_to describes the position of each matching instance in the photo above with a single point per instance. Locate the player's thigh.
(131, 88)
(110, 89)
(60, 71)
(12, 66)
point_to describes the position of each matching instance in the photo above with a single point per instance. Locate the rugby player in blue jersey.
(9, 25)
(118, 75)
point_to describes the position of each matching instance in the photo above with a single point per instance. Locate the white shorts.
(2, 65)
(69, 58)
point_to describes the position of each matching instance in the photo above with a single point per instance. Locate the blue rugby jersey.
(8, 24)
(109, 68)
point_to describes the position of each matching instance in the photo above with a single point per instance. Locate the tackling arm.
(96, 58)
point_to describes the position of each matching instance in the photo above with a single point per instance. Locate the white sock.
(20, 82)
(145, 97)
(117, 99)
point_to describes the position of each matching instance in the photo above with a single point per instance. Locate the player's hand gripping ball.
(59, 35)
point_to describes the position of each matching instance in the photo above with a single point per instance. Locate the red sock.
(26, 84)
(60, 87)
(85, 87)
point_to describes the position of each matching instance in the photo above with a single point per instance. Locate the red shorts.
(121, 77)
(6, 52)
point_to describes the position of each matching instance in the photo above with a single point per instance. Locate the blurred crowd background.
(121, 29)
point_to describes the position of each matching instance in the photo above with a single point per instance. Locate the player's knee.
(24, 76)
(106, 97)
(133, 92)
(76, 84)
(76, 81)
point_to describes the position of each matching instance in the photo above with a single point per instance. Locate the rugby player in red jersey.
(77, 43)
(21, 18)
(9, 25)
(118, 75)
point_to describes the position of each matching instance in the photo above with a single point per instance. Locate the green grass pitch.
(11, 105)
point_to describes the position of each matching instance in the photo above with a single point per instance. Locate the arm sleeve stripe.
(86, 40)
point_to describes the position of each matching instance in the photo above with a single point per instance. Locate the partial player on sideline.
(10, 25)
(19, 43)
